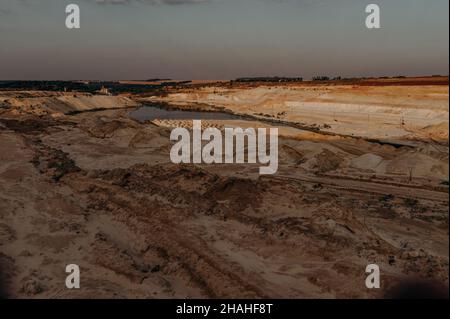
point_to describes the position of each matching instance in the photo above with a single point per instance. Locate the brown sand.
(98, 190)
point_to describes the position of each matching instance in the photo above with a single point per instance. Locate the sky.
(221, 39)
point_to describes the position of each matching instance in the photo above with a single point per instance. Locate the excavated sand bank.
(383, 112)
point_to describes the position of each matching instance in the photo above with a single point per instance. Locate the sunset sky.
(221, 39)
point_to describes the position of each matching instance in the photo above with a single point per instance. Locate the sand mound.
(367, 162)
(290, 155)
(327, 161)
(149, 138)
(106, 129)
(419, 165)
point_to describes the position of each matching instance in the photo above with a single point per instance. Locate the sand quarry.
(363, 179)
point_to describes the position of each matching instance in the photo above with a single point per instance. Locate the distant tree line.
(157, 80)
(85, 86)
(321, 78)
(269, 79)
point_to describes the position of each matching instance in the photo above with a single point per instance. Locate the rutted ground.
(98, 190)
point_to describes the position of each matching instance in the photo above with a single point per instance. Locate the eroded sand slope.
(58, 103)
